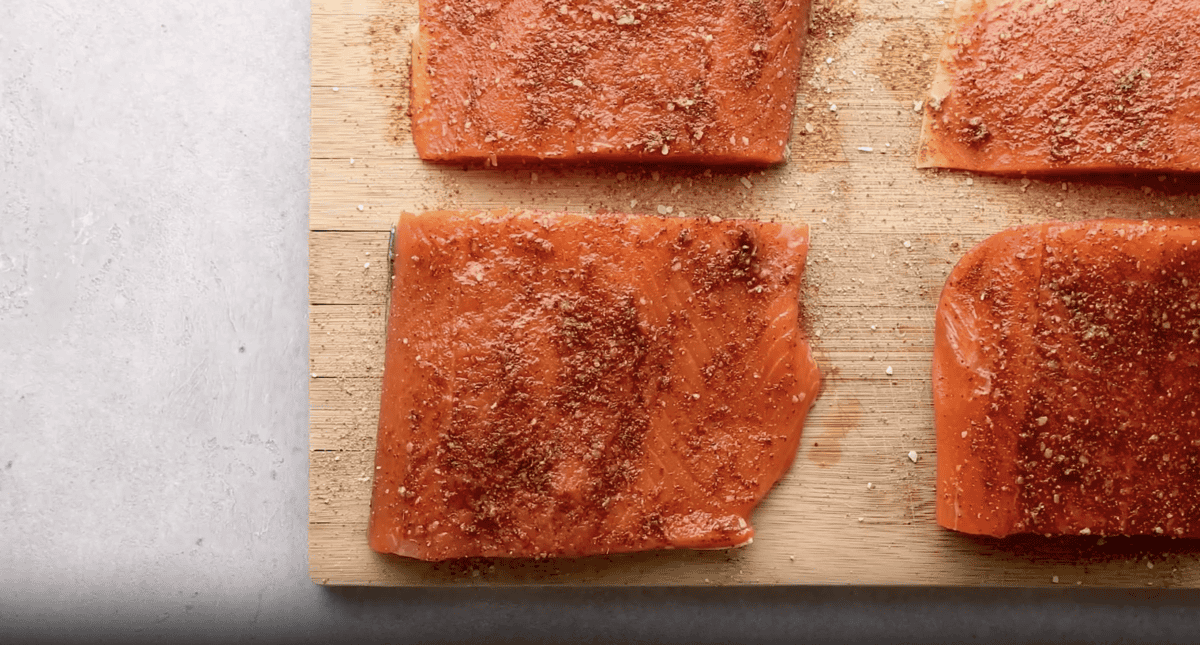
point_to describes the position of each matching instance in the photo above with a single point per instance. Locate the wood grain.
(885, 236)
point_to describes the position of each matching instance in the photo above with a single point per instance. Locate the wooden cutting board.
(855, 509)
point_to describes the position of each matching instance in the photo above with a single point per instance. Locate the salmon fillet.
(711, 81)
(1067, 86)
(561, 385)
(1066, 380)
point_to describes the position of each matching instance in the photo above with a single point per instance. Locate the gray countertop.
(153, 390)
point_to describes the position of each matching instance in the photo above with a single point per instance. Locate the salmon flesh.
(562, 385)
(1066, 381)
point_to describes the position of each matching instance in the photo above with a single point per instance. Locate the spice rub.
(562, 385)
(1066, 382)
(709, 81)
(1051, 86)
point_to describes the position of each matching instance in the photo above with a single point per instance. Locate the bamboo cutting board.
(855, 509)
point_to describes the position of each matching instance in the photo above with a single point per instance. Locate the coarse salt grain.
(888, 370)
(913, 456)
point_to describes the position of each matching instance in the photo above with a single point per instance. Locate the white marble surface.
(153, 204)
(153, 392)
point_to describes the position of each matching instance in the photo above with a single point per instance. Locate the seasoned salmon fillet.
(710, 81)
(1066, 382)
(1054, 86)
(561, 385)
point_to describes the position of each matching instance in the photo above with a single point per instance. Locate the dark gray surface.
(795, 615)
(153, 391)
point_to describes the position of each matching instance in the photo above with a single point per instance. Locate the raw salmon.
(561, 385)
(1054, 86)
(710, 81)
(1066, 380)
